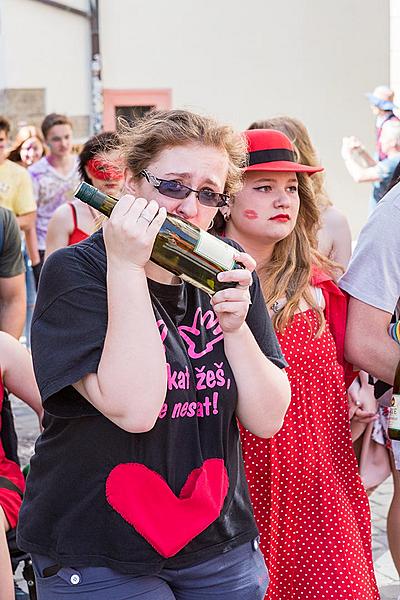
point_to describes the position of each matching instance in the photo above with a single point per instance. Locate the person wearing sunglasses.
(137, 487)
(179, 191)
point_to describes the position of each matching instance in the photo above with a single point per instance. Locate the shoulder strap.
(74, 215)
(9, 485)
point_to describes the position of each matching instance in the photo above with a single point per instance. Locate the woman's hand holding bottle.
(130, 231)
(231, 305)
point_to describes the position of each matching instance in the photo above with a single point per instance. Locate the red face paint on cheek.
(250, 214)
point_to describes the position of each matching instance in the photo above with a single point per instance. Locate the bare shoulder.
(63, 214)
(333, 217)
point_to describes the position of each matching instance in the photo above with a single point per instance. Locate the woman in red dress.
(309, 503)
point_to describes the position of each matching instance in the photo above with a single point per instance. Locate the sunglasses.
(174, 189)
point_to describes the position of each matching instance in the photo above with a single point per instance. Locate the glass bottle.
(180, 247)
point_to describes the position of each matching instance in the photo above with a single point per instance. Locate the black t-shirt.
(98, 495)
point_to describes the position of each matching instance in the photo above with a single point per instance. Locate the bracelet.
(394, 331)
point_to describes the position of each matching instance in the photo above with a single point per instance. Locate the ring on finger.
(145, 218)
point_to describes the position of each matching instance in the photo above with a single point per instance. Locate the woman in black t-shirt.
(137, 486)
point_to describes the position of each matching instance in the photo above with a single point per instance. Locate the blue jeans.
(239, 574)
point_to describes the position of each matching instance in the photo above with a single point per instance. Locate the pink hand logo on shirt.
(192, 334)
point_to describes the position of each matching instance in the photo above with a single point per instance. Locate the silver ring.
(145, 218)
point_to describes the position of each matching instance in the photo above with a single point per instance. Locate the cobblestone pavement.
(388, 580)
(386, 574)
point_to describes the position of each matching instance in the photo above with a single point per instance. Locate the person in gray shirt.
(373, 282)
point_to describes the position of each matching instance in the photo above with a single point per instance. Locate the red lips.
(281, 217)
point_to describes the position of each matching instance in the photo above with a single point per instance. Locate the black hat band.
(265, 156)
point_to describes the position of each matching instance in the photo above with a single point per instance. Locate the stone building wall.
(28, 106)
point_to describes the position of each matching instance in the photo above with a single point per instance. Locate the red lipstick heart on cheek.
(250, 214)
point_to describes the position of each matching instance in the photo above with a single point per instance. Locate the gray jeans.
(239, 574)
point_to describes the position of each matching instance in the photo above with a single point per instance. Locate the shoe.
(20, 594)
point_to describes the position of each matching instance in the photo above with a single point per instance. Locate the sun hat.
(382, 98)
(379, 103)
(272, 150)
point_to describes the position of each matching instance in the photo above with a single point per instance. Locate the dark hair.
(98, 144)
(53, 119)
(5, 125)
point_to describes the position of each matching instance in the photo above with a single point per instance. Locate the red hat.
(271, 150)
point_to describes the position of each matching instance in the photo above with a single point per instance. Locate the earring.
(227, 216)
(211, 225)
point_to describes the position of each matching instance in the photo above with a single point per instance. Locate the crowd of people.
(197, 447)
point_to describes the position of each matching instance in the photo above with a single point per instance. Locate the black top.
(98, 495)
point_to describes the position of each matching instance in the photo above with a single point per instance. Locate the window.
(131, 113)
(132, 104)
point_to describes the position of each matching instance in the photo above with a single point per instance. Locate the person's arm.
(60, 228)
(359, 174)
(12, 304)
(352, 152)
(340, 234)
(17, 372)
(12, 278)
(365, 157)
(27, 224)
(130, 384)
(353, 144)
(368, 345)
(263, 388)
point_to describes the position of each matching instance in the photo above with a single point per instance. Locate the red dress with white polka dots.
(309, 503)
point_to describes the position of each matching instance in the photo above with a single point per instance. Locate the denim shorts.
(239, 574)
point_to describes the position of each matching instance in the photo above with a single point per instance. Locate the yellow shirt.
(16, 191)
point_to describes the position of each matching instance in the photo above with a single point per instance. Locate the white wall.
(246, 60)
(44, 47)
(237, 60)
(395, 47)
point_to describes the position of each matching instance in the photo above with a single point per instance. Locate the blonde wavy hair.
(288, 273)
(303, 146)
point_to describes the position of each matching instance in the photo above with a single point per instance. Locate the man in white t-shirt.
(55, 176)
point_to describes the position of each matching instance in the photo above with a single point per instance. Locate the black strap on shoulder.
(9, 485)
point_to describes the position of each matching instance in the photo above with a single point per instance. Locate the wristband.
(394, 331)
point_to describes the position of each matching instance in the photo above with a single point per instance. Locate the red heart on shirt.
(145, 500)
